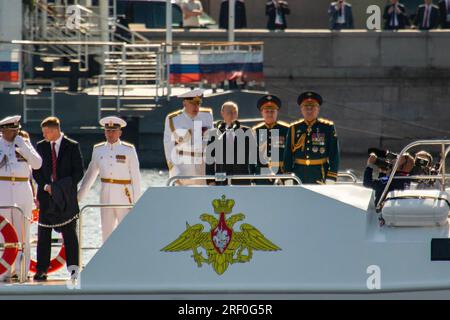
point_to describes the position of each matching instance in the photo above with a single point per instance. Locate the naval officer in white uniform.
(184, 135)
(117, 163)
(17, 159)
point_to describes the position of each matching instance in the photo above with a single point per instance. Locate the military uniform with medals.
(184, 154)
(17, 159)
(118, 167)
(270, 141)
(312, 150)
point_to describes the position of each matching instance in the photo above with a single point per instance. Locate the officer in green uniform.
(270, 135)
(312, 150)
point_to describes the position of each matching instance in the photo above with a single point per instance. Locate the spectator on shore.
(395, 16)
(192, 10)
(427, 16)
(277, 10)
(240, 16)
(444, 8)
(341, 15)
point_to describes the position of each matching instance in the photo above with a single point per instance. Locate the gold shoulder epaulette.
(326, 121)
(284, 124)
(209, 110)
(259, 125)
(174, 114)
(297, 122)
(128, 144)
(99, 144)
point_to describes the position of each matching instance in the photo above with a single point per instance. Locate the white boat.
(272, 242)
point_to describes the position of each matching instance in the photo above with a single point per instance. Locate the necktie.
(53, 161)
(394, 20)
(341, 11)
(426, 21)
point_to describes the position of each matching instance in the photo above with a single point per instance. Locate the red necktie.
(53, 161)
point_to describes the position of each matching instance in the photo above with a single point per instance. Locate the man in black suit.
(240, 16)
(395, 16)
(276, 10)
(444, 9)
(341, 15)
(57, 179)
(231, 147)
(427, 16)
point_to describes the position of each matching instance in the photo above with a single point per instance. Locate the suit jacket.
(443, 12)
(402, 18)
(271, 11)
(240, 17)
(334, 15)
(68, 164)
(219, 164)
(434, 17)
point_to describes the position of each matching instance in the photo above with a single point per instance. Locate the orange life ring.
(55, 264)
(12, 245)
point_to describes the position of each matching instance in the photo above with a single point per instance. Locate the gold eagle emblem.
(223, 245)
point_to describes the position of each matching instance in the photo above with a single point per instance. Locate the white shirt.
(426, 16)
(341, 17)
(57, 143)
(192, 21)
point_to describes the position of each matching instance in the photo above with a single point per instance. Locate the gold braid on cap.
(269, 105)
(310, 103)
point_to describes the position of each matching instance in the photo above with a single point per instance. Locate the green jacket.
(312, 151)
(266, 145)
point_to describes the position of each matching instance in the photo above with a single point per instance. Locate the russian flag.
(215, 67)
(9, 66)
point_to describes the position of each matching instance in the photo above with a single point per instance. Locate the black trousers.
(69, 233)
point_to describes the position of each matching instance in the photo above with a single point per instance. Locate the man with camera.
(423, 165)
(385, 164)
(341, 15)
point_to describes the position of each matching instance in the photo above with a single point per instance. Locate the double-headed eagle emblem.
(222, 244)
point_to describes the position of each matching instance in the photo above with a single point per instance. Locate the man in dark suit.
(395, 16)
(427, 16)
(444, 9)
(341, 15)
(240, 16)
(277, 10)
(231, 147)
(61, 171)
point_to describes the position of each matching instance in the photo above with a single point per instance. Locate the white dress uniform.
(17, 159)
(118, 166)
(184, 142)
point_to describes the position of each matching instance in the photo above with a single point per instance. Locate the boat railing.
(348, 174)
(442, 176)
(21, 246)
(223, 177)
(80, 225)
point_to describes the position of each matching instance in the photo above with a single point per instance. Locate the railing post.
(23, 271)
(444, 157)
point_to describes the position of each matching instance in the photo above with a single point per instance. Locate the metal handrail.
(23, 271)
(80, 224)
(348, 174)
(442, 175)
(171, 181)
